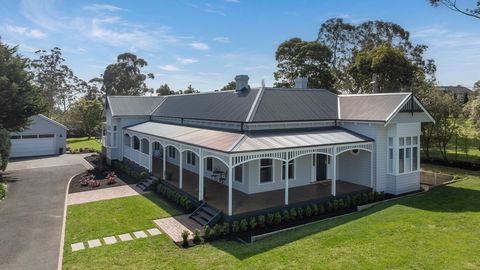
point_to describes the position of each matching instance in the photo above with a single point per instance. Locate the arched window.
(127, 141)
(136, 143)
(145, 146)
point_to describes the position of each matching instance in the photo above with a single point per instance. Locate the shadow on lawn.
(84, 139)
(442, 199)
(170, 208)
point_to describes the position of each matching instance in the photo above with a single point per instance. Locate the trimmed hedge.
(139, 175)
(3, 191)
(174, 196)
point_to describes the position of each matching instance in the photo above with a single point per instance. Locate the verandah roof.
(231, 142)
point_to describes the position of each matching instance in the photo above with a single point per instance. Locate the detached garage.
(42, 138)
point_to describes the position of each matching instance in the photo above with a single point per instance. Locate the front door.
(321, 167)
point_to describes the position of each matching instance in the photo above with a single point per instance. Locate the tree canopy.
(298, 58)
(230, 86)
(164, 90)
(126, 77)
(85, 117)
(453, 5)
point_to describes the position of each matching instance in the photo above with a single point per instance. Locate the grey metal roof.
(226, 141)
(286, 104)
(133, 105)
(370, 107)
(219, 106)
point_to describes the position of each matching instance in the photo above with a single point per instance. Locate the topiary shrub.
(277, 218)
(226, 228)
(196, 237)
(243, 225)
(300, 212)
(285, 216)
(253, 223)
(308, 211)
(371, 197)
(207, 233)
(315, 209)
(293, 213)
(217, 230)
(381, 196)
(364, 198)
(335, 205)
(341, 205)
(270, 218)
(321, 208)
(348, 201)
(235, 226)
(185, 235)
(261, 221)
(329, 207)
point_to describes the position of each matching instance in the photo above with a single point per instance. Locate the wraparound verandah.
(225, 196)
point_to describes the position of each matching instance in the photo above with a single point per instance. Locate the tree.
(476, 87)
(475, 12)
(19, 98)
(56, 80)
(164, 90)
(388, 67)
(346, 40)
(125, 77)
(190, 90)
(297, 58)
(85, 117)
(230, 86)
(472, 110)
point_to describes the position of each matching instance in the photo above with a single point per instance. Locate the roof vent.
(301, 82)
(241, 82)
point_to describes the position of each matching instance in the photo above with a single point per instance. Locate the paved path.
(31, 216)
(174, 226)
(103, 194)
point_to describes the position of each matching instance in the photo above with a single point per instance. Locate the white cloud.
(169, 68)
(221, 39)
(43, 13)
(232, 1)
(199, 46)
(24, 31)
(102, 7)
(186, 61)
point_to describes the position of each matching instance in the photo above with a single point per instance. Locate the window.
(156, 146)
(238, 173)
(291, 170)
(408, 161)
(126, 140)
(390, 141)
(408, 140)
(29, 136)
(209, 164)
(145, 146)
(136, 143)
(415, 139)
(114, 128)
(390, 160)
(46, 136)
(191, 158)
(401, 160)
(414, 158)
(401, 141)
(266, 171)
(171, 152)
(15, 137)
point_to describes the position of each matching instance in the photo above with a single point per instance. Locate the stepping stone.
(154, 231)
(125, 237)
(110, 240)
(140, 234)
(78, 246)
(94, 243)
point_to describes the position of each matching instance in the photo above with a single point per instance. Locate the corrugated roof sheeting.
(238, 142)
(133, 105)
(285, 104)
(369, 107)
(220, 106)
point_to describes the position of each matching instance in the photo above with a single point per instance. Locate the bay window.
(407, 154)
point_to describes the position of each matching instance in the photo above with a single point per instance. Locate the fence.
(434, 179)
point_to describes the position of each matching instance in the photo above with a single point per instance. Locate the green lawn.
(434, 230)
(77, 143)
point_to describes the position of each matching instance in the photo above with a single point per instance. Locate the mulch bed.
(99, 173)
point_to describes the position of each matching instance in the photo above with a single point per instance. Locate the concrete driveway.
(31, 217)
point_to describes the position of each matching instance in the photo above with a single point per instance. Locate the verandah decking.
(216, 194)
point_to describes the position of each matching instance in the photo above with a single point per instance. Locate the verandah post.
(286, 181)
(164, 161)
(180, 172)
(201, 188)
(230, 181)
(334, 173)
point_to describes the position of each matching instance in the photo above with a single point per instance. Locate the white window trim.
(206, 164)
(243, 174)
(260, 169)
(282, 178)
(396, 151)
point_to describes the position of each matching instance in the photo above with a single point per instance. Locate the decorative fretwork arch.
(303, 152)
(364, 146)
(240, 159)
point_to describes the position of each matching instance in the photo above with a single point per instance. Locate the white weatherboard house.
(269, 147)
(41, 138)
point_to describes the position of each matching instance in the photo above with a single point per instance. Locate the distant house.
(258, 148)
(43, 137)
(459, 92)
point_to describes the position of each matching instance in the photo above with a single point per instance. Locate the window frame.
(209, 165)
(235, 173)
(272, 171)
(291, 170)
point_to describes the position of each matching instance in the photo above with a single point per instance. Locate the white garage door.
(33, 145)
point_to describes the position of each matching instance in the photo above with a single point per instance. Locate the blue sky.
(207, 43)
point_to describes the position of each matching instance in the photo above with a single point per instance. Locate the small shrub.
(371, 197)
(243, 225)
(277, 218)
(285, 216)
(321, 208)
(293, 214)
(185, 235)
(315, 209)
(300, 212)
(364, 198)
(196, 237)
(235, 226)
(341, 205)
(226, 228)
(375, 196)
(335, 205)
(381, 196)
(253, 223)
(329, 206)
(261, 221)
(3, 191)
(207, 233)
(270, 218)
(217, 230)
(348, 201)
(308, 211)
(142, 175)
